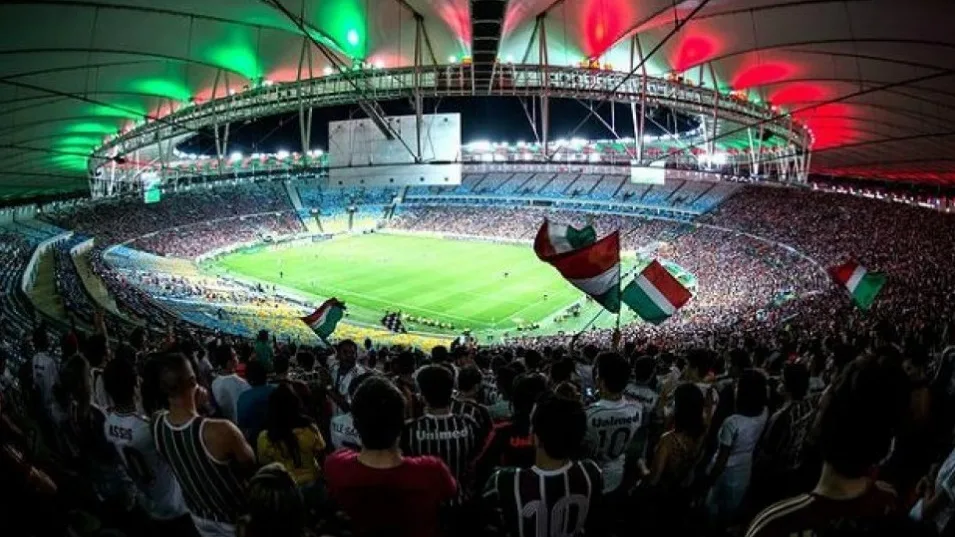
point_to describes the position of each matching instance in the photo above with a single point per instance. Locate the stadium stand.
(735, 381)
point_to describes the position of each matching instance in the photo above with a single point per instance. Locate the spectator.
(731, 469)
(252, 406)
(263, 349)
(454, 438)
(130, 433)
(343, 372)
(613, 421)
(466, 403)
(511, 443)
(858, 417)
(227, 387)
(779, 453)
(46, 370)
(344, 434)
(276, 507)
(554, 483)
(667, 488)
(379, 489)
(196, 448)
(291, 438)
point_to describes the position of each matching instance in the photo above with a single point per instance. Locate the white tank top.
(132, 437)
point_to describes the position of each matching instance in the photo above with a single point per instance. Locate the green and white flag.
(863, 286)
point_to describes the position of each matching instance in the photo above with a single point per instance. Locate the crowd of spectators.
(117, 220)
(698, 426)
(196, 239)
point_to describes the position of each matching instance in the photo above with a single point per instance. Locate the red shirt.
(400, 501)
(805, 514)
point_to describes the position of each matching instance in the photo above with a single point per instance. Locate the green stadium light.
(353, 38)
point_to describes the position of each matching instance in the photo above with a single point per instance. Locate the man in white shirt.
(613, 421)
(343, 371)
(46, 370)
(228, 386)
(130, 433)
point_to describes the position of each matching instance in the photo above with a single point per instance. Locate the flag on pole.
(655, 294)
(594, 267)
(324, 320)
(863, 286)
(392, 321)
(556, 239)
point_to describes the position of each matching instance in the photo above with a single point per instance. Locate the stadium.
(476, 267)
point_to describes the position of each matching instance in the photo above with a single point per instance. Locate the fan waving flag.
(655, 294)
(392, 321)
(863, 286)
(556, 239)
(324, 320)
(593, 268)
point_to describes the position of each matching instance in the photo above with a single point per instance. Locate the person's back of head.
(562, 371)
(224, 354)
(699, 361)
(283, 415)
(469, 378)
(533, 360)
(120, 380)
(859, 415)
(262, 336)
(275, 506)
(137, 338)
(739, 361)
(439, 354)
(305, 360)
(177, 378)
(378, 411)
(280, 365)
(74, 385)
(255, 373)
(796, 380)
(688, 405)
(436, 383)
(125, 351)
(643, 369)
(613, 373)
(559, 426)
(151, 391)
(752, 393)
(527, 390)
(356, 383)
(405, 363)
(95, 350)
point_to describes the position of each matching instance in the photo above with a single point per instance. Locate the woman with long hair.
(291, 437)
(732, 465)
(276, 506)
(665, 492)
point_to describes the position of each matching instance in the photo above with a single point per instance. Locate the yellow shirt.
(310, 444)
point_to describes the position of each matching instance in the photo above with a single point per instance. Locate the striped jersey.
(611, 426)
(212, 489)
(452, 438)
(533, 502)
(131, 435)
(479, 413)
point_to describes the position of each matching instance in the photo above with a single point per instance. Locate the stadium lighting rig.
(761, 132)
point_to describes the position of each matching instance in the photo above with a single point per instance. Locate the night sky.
(494, 119)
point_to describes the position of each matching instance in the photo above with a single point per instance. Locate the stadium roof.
(872, 78)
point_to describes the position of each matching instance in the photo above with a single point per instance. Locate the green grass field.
(450, 281)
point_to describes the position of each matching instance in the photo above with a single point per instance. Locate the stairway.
(303, 214)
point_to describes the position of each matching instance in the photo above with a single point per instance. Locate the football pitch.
(447, 285)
